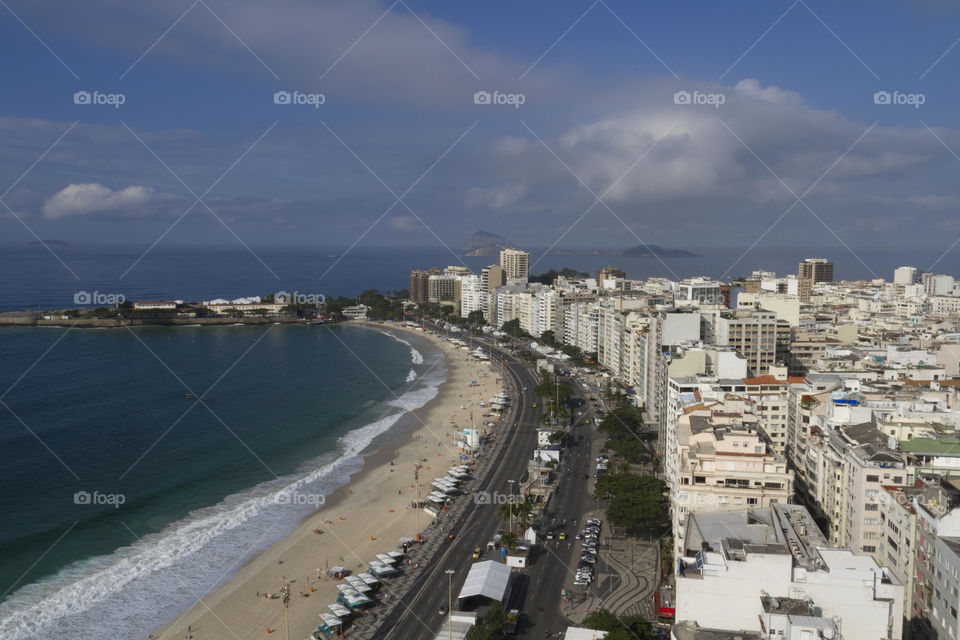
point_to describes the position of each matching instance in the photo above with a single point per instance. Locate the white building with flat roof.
(743, 567)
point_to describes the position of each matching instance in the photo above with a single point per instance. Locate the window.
(868, 548)
(871, 507)
(873, 478)
(751, 501)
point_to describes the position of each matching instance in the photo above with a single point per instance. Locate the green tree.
(633, 627)
(476, 318)
(548, 338)
(490, 626)
(509, 540)
(636, 502)
(512, 328)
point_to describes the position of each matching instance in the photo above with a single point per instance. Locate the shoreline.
(358, 519)
(38, 320)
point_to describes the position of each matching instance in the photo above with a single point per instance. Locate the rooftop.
(688, 630)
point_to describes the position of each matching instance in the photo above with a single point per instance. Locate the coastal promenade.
(416, 614)
(366, 517)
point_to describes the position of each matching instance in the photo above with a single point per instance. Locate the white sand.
(365, 518)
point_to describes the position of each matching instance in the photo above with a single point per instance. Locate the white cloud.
(689, 153)
(94, 199)
(406, 223)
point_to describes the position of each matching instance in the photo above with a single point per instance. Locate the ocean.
(125, 499)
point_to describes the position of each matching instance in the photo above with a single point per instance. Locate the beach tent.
(395, 554)
(351, 597)
(329, 622)
(358, 584)
(339, 610)
(489, 579)
(380, 569)
(337, 572)
(384, 558)
(368, 579)
(437, 498)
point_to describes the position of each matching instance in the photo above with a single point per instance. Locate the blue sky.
(599, 154)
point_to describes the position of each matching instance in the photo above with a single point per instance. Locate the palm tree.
(523, 511)
(509, 540)
(505, 512)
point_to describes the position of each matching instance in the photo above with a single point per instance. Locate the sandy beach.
(366, 517)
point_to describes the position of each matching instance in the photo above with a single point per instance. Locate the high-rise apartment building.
(609, 272)
(515, 263)
(420, 284)
(816, 270)
(753, 333)
(493, 277)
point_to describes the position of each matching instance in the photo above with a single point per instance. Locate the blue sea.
(125, 498)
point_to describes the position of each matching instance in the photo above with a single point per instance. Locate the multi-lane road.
(537, 590)
(417, 614)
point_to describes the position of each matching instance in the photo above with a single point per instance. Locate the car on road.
(443, 609)
(510, 624)
(563, 535)
(476, 553)
(549, 535)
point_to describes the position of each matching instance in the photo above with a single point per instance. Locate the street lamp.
(450, 573)
(510, 482)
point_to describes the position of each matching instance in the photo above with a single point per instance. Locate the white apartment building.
(515, 263)
(722, 463)
(699, 292)
(771, 397)
(473, 295)
(753, 333)
(581, 322)
(741, 569)
(846, 470)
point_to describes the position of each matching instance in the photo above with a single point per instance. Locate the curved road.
(417, 613)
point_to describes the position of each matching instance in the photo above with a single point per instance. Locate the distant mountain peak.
(484, 243)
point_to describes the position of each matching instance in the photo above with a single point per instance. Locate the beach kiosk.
(329, 624)
(352, 598)
(381, 569)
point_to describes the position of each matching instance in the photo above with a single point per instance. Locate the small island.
(485, 244)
